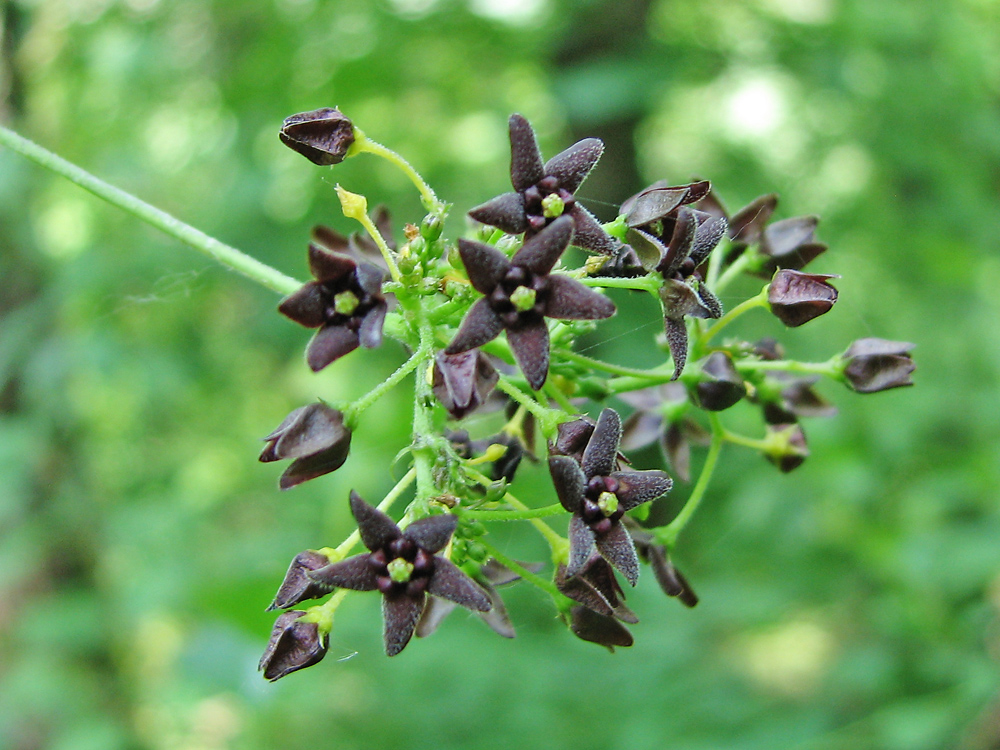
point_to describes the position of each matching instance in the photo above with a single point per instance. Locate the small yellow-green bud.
(552, 206)
(400, 570)
(495, 452)
(523, 298)
(355, 206)
(346, 303)
(431, 227)
(608, 503)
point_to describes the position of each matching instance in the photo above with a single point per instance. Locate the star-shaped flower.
(597, 495)
(404, 566)
(345, 303)
(520, 293)
(544, 192)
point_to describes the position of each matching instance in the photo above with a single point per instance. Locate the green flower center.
(400, 570)
(346, 303)
(523, 298)
(552, 206)
(608, 503)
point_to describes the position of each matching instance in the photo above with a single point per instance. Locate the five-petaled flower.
(405, 567)
(520, 293)
(544, 192)
(345, 303)
(598, 496)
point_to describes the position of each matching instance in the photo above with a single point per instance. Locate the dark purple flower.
(462, 382)
(596, 588)
(323, 136)
(674, 240)
(293, 645)
(345, 303)
(404, 566)
(661, 415)
(588, 625)
(544, 192)
(598, 496)
(520, 293)
(796, 298)
(492, 575)
(872, 365)
(671, 582)
(719, 384)
(785, 398)
(315, 437)
(298, 586)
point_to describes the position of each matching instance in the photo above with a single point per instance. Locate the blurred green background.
(852, 604)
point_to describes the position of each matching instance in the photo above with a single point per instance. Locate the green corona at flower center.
(400, 570)
(346, 303)
(608, 503)
(552, 206)
(523, 298)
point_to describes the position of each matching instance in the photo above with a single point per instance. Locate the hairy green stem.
(561, 601)
(649, 284)
(542, 413)
(597, 364)
(758, 300)
(365, 144)
(228, 256)
(830, 368)
(423, 422)
(514, 515)
(667, 535)
(352, 412)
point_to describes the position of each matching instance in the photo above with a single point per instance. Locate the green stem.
(400, 487)
(559, 397)
(829, 368)
(558, 545)
(514, 515)
(423, 422)
(715, 263)
(561, 601)
(228, 256)
(383, 247)
(667, 535)
(758, 300)
(363, 143)
(542, 413)
(597, 364)
(649, 284)
(747, 442)
(735, 269)
(352, 412)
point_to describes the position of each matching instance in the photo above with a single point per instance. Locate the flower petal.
(616, 547)
(638, 487)
(677, 340)
(589, 234)
(526, 166)
(432, 533)
(329, 238)
(640, 429)
(370, 331)
(375, 527)
(497, 618)
(783, 237)
(303, 469)
(330, 343)
(305, 306)
(355, 573)
(450, 583)
(677, 451)
(400, 615)
(602, 450)
(480, 325)
(706, 237)
(308, 430)
(569, 481)
(587, 625)
(370, 278)
(648, 248)
(542, 251)
(581, 545)
(681, 242)
(326, 265)
(579, 589)
(530, 346)
(571, 300)
(747, 224)
(484, 264)
(505, 212)
(433, 615)
(572, 166)
(653, 204)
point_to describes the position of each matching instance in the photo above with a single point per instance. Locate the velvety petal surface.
(572, 166)
(589, 234)
(571, 300)
(309, 430)
(526, 166)
(450, 583)
(303, 469)
(638, 487)
(330, 343)
(587, 625)
(581, 545)
(305, 306)
(432, 533)
(480, 325)
(505, 212)
(530, 346)
(681, 242)
(569, 480)
(602, 450)
(376, 528)
(677, 341)
(355, 573)
(370, 330)
(400, 615)
(542, 251)
(616, 547)
(485, 265)
(326, 265)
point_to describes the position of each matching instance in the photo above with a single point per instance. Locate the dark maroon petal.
(569, 481)
(497, 618)
(571, 300)
(616, 547)
(652, 205)
(326, 265)
(480, 325)
(293, 645)
(796, 298)
(697, 191)
(648, 249)
(670, 579)
(602, 450)
(589, 234)
(308, 430)
(638, 487)
(432, 533)
(400, 614)
(530, 346)
(505, 212)
(712, 204)
(579, 589)
(677, 340)
(305, 306)
(706, 237)
(677, 451)
(747, 225)
(484, 264)
(376, 528)
(329, 344)
(709, 301)
(449, 582)
(542, 251)
(873, 347)
(680, 299)
(329, 238)
(525, 159)
(297, 586)
(355, 573)
(303, 469)
(783, 237)
(433, 615)
(681, 242)
(370, 278)
(370, 331)
(641, 428)
(581, 545)
(572, 166)
(587, 625)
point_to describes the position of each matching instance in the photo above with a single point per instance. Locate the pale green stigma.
(552, 206)
(400, 570)
(346, 303)
(608, 503)
(523, 298)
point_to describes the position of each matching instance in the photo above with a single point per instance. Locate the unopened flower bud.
(313, 435)
(354, 205)
(796, 298)
(298, 586)
(323, 136)
(721, 385)
(786, 446)
(293, 645)
(463, 381)
(872, 365)
(431, 227)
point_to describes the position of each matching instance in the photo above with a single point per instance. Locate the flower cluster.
(483, 402)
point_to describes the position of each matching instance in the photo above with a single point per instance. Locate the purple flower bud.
(463, 381)
(315, 437)
(293, 645)
(298, 586)
(720, 385)
(323, 136)
(787, 448)
(796, 297)
(873, 365)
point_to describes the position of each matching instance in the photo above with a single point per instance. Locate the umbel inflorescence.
(491, 322)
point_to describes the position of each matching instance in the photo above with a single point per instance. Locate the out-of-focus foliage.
(852, 604)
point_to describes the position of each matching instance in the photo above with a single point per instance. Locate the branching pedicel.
(448, 303)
